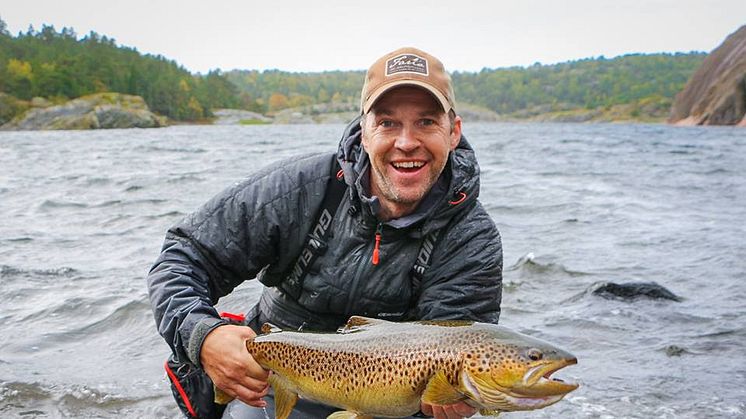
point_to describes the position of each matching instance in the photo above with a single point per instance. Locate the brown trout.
(379, 368)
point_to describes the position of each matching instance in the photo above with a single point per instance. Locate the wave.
(94, 181)
(105, 204)
(50, 204)
(34, 399)
(186, 178)
(170, 214)
(530, 264)
(134, 311)
(7, 271)
(151, 148)
(22, 239)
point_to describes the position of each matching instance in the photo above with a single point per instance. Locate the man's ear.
(363, 136)
(456, 132)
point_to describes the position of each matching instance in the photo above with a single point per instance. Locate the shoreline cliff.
(716, 92)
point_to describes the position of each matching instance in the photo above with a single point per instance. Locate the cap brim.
(386, 87)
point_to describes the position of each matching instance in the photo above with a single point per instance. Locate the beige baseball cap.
(407, 67)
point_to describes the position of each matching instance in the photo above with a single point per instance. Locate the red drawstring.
(377, 247)
(461, 198)
(180, 389)
(340, 174)
(376, 251)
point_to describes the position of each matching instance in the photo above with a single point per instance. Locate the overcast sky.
(467, 35)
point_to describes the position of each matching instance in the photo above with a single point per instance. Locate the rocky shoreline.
(716, 93)
(97, 111)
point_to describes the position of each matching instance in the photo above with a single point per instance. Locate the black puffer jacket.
(257, 229)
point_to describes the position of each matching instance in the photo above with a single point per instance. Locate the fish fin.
(268, 328)
(356, 323)
(221, 397)
(285, 399)
(346, 414)
(488, 412)
(441, 392)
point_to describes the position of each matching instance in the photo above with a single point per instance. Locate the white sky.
(467, 35)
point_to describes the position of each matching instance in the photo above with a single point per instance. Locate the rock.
(97, 111)
(674, 350)
(716, 93)
(10, 107)
(40, 102)
(476, 113)
(319, 113)
(632, 291)
(239, 117)
(292, 116)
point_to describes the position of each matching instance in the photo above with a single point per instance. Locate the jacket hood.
(461, 176)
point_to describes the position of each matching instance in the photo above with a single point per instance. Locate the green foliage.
(582, 84)
(588, 83)
(273, 90)
(10, 107)
(55, 64)
(58, 65)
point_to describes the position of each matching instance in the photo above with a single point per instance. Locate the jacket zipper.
(375, 258)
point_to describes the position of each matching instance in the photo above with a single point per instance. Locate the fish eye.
(534, 354)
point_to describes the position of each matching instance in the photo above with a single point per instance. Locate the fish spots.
(392, 368)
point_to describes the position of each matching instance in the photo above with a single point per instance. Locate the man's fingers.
(251, 397)
(254, 384)
(454, 411)
(464, 410)
(254, 370)
(242, 381)
(439, 412)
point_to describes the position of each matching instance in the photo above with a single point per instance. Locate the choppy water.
(82, 217)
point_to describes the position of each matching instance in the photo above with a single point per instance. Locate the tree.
(3, 28)
(277, 101)
(19, 78)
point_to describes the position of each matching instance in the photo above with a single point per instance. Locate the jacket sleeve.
(228, 240)
(465, 278)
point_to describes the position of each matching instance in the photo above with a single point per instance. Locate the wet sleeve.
(205, 256)
(465, 278)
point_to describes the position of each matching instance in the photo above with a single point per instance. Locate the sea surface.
(83, 215)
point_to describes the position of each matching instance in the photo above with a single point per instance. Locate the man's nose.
(407, 139)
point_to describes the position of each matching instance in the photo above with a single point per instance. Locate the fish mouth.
(536, 390)
(538, 381)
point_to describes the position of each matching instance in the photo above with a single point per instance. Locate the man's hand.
(230, 366)
(451, 411)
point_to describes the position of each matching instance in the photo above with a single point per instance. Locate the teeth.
(408, 164)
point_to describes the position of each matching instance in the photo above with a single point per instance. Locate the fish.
(377, 368)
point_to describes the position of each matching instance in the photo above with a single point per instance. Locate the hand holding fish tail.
(453, 411)
(231, 368)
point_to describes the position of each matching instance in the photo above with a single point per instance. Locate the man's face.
(407, 136)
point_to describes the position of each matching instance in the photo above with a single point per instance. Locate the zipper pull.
(376, 248)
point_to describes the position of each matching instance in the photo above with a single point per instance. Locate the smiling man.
(388, 227)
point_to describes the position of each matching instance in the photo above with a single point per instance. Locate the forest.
(60, 65)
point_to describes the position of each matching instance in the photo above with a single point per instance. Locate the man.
(411, 177)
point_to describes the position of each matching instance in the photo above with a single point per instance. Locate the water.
(83, 216)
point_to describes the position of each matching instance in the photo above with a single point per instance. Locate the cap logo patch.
(406, 63)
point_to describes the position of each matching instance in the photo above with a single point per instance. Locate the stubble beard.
(390, 192)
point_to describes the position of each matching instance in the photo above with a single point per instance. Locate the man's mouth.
(408, 166)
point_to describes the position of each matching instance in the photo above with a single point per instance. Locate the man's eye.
(427, 122)
(386, 123)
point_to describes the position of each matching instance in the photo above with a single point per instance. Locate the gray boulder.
(97, 111)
